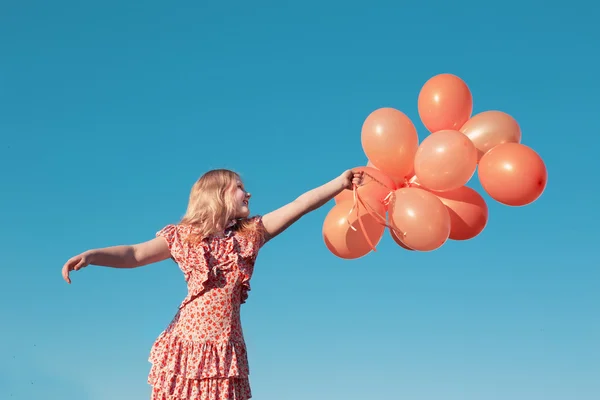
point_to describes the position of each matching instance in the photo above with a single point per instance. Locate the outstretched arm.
(279, 220)
(127, 256)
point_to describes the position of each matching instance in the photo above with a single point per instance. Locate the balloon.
(398, 241)
(445, 102)
(407, 179)
(513, 174)
(468, 212)
(371, 191)
(397, 181)
(445, 160)
(390, 141)
(491, 128)
(421, 217)
(346, 243)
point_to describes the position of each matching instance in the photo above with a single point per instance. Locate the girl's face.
(241, 199)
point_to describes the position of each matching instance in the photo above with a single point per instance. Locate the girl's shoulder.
(175, 229)
(178, 234)
(251, 232)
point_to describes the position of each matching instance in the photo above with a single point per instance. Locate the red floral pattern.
(202, 354)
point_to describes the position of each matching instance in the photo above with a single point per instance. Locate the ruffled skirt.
(168, 386)
(189, 370)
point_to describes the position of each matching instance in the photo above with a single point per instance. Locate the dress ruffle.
(228, 252)
(168, 386)
(199, 360)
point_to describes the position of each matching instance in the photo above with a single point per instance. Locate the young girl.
(202, 354)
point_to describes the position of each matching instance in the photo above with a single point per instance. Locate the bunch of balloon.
(421, 188)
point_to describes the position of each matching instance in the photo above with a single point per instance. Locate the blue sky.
(109, 111)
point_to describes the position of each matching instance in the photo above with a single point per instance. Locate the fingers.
(80, 264)
(65, 273)
(74, 264)
(357, 178)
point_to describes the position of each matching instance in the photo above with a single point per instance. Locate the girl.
(202, 354)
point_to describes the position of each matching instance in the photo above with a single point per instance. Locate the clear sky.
(109, 111)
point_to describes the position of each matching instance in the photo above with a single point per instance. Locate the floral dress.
(202, 353)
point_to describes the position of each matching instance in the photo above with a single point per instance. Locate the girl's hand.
(75, 264)
(350, 178)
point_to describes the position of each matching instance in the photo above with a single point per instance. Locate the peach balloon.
(445, 102)
(513, 174)
(390, 141)
(342, 240)
(397, 181)
(445, 160)
(375, 188)
(468, 212)
(491, 128)
(398, 241)
(421, 217)
(407, 179)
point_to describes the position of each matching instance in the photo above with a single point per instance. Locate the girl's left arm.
(279, 220)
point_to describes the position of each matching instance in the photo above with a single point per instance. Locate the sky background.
(109, 111)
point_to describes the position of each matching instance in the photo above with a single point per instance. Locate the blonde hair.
(211, 207)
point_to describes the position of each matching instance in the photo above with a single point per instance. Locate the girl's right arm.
(127, 256)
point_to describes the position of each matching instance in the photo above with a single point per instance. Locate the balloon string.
(356, 196)
(355, 208)
(358, 201)
(382, 220)
(360, 221)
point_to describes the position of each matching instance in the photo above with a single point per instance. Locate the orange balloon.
(390, 141)
(397, 181)
(491, 128)
(346, 243)
(445, 160)
(445, 102)
(406, 180)
(371, 165)
(398, 241)
(421, 217)
(468, 212)
(513, 174)
(411, 174)
(371, 191)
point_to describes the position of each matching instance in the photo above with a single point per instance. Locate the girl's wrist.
(340, 183)
(89, 255)
(344, 180)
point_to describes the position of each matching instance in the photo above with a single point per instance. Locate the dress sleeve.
(252, 239)
(258, 237)
(261, 234)
(171, 235)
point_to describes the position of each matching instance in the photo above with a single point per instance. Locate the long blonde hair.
(211, 207)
